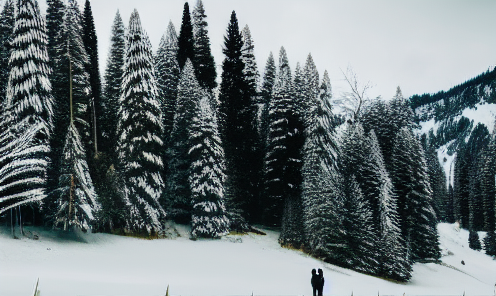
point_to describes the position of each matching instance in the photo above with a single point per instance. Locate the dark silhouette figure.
(315, 282)
(321, 282)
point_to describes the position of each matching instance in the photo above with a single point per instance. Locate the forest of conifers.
(161, 140)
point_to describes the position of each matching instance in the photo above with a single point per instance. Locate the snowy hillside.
(482, 113)
(103, 264)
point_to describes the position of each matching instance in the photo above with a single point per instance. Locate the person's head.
(321, 273)
(314, 272)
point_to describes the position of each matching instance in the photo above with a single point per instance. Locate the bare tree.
(357, 97)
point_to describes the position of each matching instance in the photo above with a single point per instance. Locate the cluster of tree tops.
(470, 196)
(163, 142)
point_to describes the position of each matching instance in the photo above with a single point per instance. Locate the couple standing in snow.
(317, 282)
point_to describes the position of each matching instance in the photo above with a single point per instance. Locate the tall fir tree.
(27, 117)
(203, 60)
(7, 20)
(415, 206)
(90, 42)
(140, 132)
(311, 78)
(248, 56)
(113, 82)
(207, 176)
(322, 191)
(54, 19)
(178, 201)
(186, 41)
(437, 179)
(168, 75)
(292, 232)
(278, 141)
(238, 132)
(70, 57)
(266, 95)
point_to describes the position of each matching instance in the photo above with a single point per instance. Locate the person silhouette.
(321, 282)
(315, 281)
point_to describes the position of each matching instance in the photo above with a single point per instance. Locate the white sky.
(420, 45)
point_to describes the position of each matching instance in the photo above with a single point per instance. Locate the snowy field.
(103, 264)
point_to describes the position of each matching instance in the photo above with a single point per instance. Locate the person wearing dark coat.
(321, 282)
(315, 282)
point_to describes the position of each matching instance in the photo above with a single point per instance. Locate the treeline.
(446, 104)
(159, 140)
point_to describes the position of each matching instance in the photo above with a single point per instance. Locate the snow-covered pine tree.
(168, 74)
(7, 19)
(411, 186)
(238, 132)
(278, 140)
(113, 82)
(311, 77)
(27, 116)
(206, 174)
(361, 236)
(54, 19)
(76, 200)
(392, 251)
(203, 60)
(178, 201)
(90, 42)
(251, 70)
(266, 95)
(139, 131)
(186, 41)
(292, 232)
(69, 52)
(322, 192)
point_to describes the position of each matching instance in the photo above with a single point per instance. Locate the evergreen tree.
(266, 95)
(412, 188)
(238, 132)
(113, 81)
(292, 232)
(361, 237)
(437, 179)
(168, 75)
(27, 116)
(278, 140)
(248, 56)
(179, 191)
(322, 193)
(90, 42)
(186, 41)
(76, 200)
(203, 60)
(7, 20)
(70, 57)
(311, 78)
(139, 132)
(473, 241)
(54, 19)
(207, 174)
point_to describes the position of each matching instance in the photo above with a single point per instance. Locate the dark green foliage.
(186, 41)
(168, 74)
(415, 206)
(237, 126)
(203, 60)
(113, 82)
(490, 243)
(292, 225)
(276, 162)
(178, 200)
(90, 42)
(473, 241)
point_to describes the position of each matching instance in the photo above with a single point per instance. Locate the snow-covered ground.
(103, 264)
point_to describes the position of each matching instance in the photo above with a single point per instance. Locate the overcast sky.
(421, 45)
